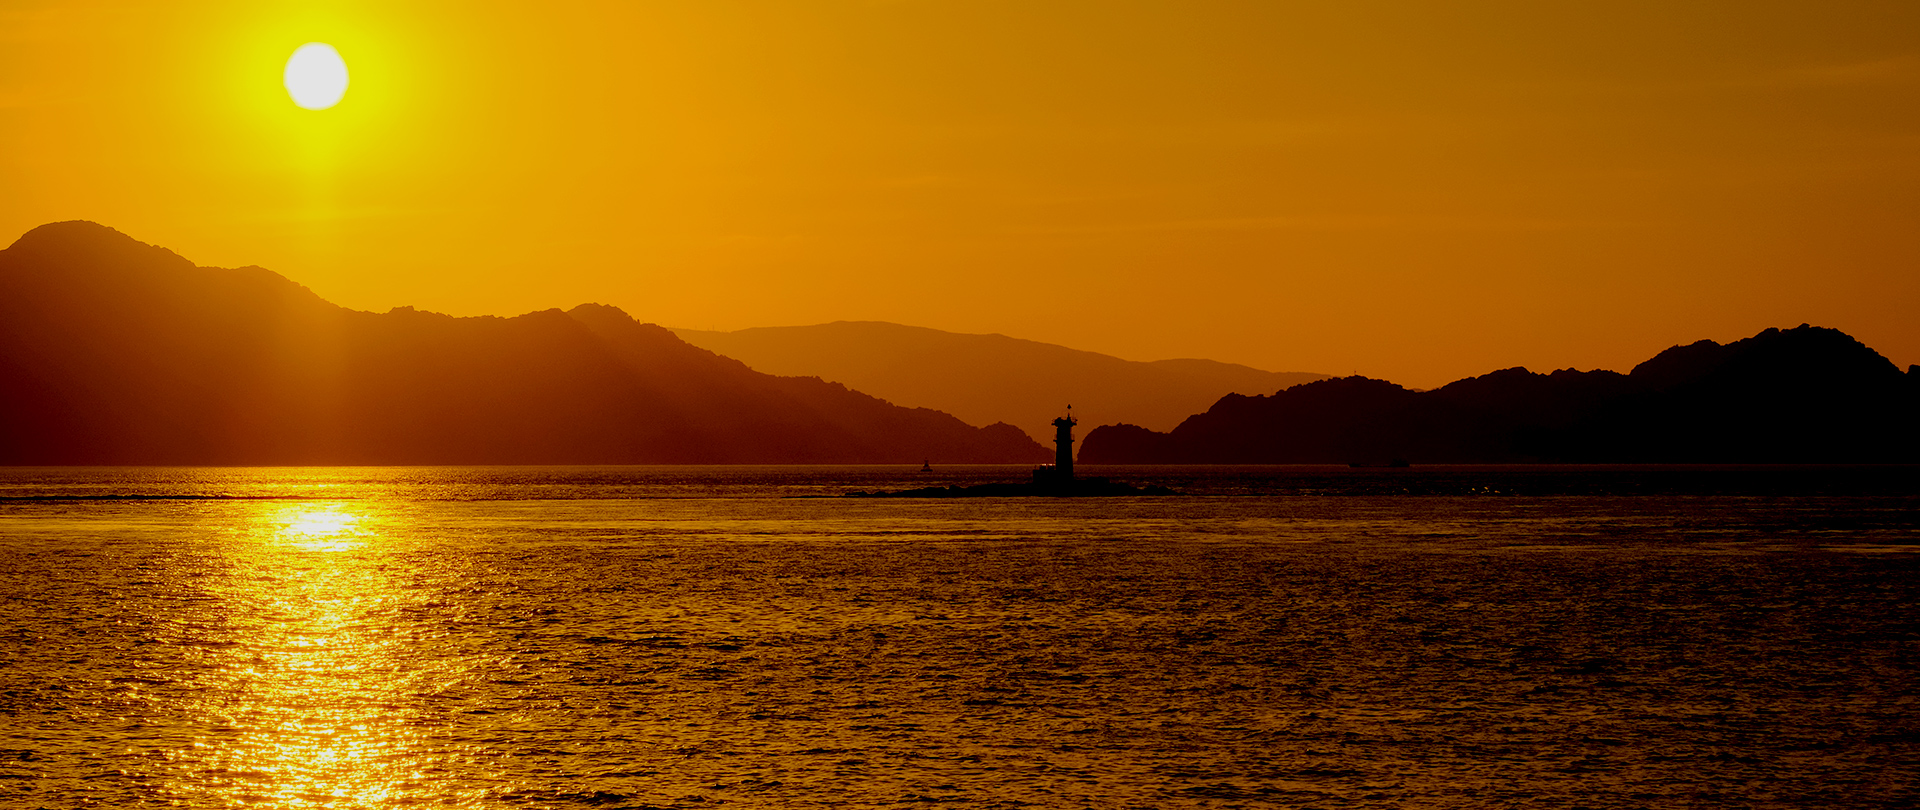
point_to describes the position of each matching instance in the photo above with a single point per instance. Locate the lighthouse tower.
(1063, 446)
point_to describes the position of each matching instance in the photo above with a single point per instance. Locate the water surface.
(687, 637)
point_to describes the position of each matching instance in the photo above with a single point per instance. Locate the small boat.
(926, 465)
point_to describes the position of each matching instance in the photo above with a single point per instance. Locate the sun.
(316, 76)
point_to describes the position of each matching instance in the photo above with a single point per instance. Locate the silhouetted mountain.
(1800, 395)
(992, 378)
(117, 352)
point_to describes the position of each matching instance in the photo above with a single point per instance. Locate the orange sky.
(1414, 191)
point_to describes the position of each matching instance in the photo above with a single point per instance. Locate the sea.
(696, 637)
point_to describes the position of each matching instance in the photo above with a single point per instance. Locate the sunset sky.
(1417, 191)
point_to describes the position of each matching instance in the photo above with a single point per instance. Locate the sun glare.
(316, 76)
(323, 528)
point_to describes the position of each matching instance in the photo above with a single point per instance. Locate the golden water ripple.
(369, 651)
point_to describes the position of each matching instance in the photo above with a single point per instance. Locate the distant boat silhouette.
(926, 465)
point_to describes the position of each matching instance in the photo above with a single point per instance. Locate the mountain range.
(113, 351)
(1806, 394)
(993, 378)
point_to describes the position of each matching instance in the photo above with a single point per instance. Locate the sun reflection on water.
(319, 528)
(312, 696)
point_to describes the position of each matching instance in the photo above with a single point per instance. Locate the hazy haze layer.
(985, 379)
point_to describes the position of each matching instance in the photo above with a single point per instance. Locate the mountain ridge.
(985, 378)
(1806, 394)
(115, 351)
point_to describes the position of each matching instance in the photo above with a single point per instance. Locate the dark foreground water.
(686, 637)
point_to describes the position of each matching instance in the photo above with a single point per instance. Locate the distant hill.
(117, 352)
(992, 378)
(1806, 394)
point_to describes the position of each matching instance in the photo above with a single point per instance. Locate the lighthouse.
(1054, 480)
(1063, 446)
